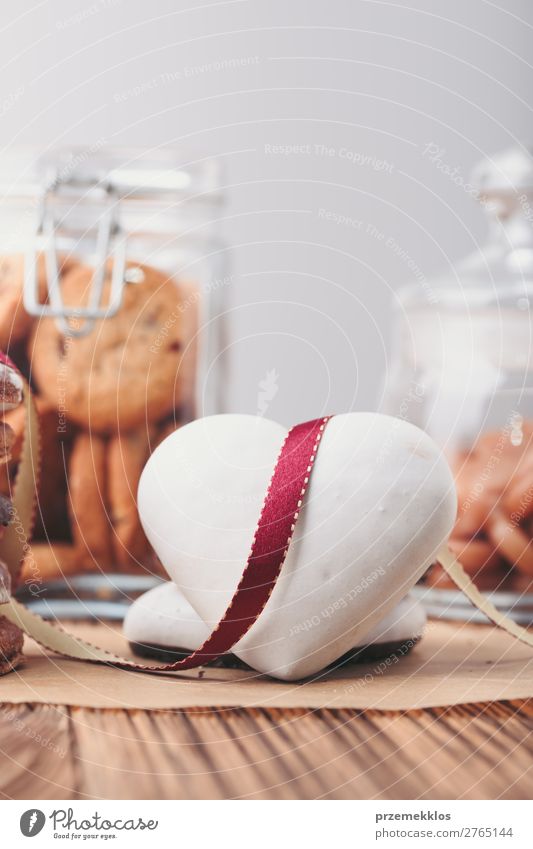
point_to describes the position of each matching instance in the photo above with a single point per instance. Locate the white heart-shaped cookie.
(380, 503)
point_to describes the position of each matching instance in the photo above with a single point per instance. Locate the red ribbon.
(282, 504)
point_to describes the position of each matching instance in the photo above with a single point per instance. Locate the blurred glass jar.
(132, 206)
(462, 369)
(92, 244)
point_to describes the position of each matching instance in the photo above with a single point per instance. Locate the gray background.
(364, 87)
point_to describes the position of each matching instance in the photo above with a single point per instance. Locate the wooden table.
(466, 752)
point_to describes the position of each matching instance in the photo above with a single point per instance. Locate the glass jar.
(118, 228)
(462, 369)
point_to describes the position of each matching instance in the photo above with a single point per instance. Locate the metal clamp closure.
(110, 244)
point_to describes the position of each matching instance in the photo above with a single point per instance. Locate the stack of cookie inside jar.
(463, 370)
(108, 259)
(105, 399)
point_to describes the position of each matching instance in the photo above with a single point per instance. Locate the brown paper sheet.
(453, 664)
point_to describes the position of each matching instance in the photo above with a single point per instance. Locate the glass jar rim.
(130, 173)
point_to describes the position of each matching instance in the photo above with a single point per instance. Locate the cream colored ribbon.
(467, 586)
(15, 541)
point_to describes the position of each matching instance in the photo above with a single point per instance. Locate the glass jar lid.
(131, 173)
(105, 196)
(500, 274)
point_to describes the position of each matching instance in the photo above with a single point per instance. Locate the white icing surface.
(407, 620)
(163, 617)
(380, 503)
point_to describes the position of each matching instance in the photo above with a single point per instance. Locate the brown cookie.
(514, 543)
(125, 371)
(15, 322)
(127, 455)
(47, 561)
(89, 520)
(7, 440)
(475, 554)
(11, 642)
(15, 420)
(6, 511)
(51, 517)
(190, 322)
(164, 429)
(5, 583)
(437, 577)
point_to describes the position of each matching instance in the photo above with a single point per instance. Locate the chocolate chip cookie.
(127, 454)
(7, 440)
(89, 519)
(127, 369)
